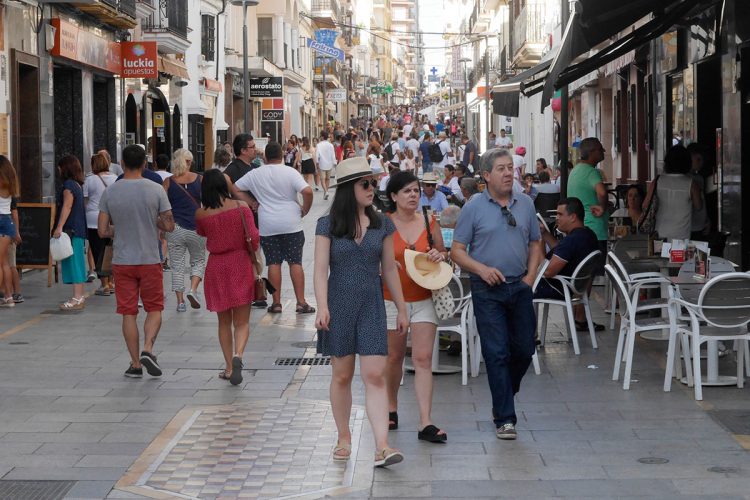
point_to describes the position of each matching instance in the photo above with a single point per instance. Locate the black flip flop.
(392, 417)
(236, 377)
(430, 434)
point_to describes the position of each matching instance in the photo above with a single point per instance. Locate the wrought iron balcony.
(326, 10)
(531, 30)
(119, 13)
(168, 26)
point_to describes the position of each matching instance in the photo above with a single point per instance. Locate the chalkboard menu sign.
(35, 221)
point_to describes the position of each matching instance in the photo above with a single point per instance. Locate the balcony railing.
(533, 24)
(127, 7)
(171, 16)
(328, 9)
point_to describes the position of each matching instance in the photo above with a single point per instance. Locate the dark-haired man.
(566, 254)
(276, 188)
(244, 154)
(138, 208)
(326, 156)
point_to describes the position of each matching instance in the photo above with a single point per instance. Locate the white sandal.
(73, 304)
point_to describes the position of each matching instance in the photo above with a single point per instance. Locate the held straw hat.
(352, 169)
(424, 272)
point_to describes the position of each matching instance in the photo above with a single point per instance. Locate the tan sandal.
(73, 304)
(387, 456)
(342, 452)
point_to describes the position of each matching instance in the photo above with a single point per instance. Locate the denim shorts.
(7, 227)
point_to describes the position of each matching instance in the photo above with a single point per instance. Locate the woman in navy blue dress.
(354, 244)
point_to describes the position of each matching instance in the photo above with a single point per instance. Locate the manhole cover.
(304, 361)
(304, 345)
(18, 343)
(653, 460)
(724, 470)
(49, 490)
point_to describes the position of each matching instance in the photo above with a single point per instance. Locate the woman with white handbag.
(71, 219)
(412, 234)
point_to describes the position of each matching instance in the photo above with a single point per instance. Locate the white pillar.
(288, 41)
(295, 48)
(278, 53)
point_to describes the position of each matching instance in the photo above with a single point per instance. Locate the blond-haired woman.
(93, 189)
(184, 192)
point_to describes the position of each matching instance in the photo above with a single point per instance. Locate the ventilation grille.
(304, 361)
(33, 490)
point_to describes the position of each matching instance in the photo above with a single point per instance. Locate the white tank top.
(5, 205)
(674, 216)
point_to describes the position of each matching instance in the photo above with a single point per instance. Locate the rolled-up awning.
(594, 21)
(505, 94)
(172, 67)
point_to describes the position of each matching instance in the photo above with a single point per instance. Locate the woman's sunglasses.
(368, 183)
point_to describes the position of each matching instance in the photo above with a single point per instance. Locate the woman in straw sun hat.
(353, 243)
(412, 234)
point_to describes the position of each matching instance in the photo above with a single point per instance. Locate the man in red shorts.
(132, 211)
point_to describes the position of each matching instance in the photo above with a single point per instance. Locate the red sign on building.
(139, 60)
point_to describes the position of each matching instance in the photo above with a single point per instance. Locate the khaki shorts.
(12, 255)
(325, 174)
(422, 311)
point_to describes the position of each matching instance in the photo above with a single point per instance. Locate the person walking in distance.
(227, 225)
(353, 249)
(500, 229)
(184, 192)
(137, 209)
(93, 188)
(9, 188)
(326, 156)
(280, 217)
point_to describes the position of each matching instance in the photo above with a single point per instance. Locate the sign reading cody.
(272, 115)
(271, 86)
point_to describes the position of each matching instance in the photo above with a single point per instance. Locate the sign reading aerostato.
(271, 86)
(139, 60)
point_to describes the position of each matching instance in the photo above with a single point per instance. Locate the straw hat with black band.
(426, 273)
(429, 178)
(352, 169)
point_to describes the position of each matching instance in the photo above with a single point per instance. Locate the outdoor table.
(689, 288)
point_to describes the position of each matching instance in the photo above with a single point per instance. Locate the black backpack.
(435, 153)
(388, 152)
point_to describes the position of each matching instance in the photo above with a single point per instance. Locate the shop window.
(197, 141)
(208, 37)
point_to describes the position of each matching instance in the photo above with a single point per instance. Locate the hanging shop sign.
(326, 50)
(85, 47)
(272, 115)
(336, 95)
(139, 60)
(270, 86)
(272, 110)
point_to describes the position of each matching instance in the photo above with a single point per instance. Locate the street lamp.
(245, 77)
(463, 61)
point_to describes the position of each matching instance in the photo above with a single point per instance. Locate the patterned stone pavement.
(267, 449)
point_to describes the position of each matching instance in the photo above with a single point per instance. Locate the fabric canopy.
(172, 67)
(594, 21)
(505, 94)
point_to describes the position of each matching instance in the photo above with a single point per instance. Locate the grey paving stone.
(547, 473)
(651, 488)
(50, 437)
(38, 460)
(78, 417)
(106, 460)
(91, 448)
(492, 489)
(411, 489)
(90, 490)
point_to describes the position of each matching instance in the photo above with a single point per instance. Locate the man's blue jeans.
(506, 323)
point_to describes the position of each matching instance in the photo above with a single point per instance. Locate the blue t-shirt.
(439, 127)
(437, 203)
(148, 174)
(575, 247)
(490, 238)
(470, 148)
(424, 147)
(75, 224)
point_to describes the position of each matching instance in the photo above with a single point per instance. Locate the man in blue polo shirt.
(566, 254)
(430, 196)
(500, 229)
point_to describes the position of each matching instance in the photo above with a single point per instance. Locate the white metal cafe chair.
(459, 323)
(724, 307)
(646, 281)
(574, 290)
(630, 326)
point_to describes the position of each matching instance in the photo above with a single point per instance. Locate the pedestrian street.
(71, 426)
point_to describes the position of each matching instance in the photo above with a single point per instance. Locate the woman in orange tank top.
(411, 232)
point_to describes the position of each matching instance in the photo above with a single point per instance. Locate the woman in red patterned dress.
(229, 277)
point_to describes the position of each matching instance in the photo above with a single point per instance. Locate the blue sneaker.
(181, 307)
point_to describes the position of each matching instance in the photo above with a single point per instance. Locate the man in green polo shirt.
(585, 183)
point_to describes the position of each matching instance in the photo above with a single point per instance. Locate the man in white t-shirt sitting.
(276, 187)
(503, 141)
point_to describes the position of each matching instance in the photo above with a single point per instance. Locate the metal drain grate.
(33, 490)
(304, 361)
